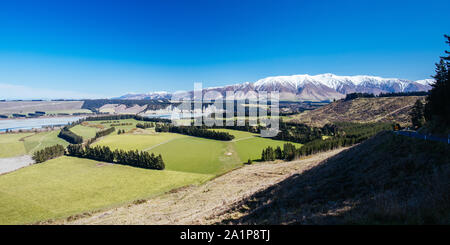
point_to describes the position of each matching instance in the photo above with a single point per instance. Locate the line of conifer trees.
(145, 125)
(104, 132)
(101, 134)
(70, 136)
(120, 124)
(195, 131)
(140, 159)
(348, 134)
(128, 116)
(48, 153)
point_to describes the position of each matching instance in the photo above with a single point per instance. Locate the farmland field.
(194, 154)
(10, 145)
(136, 142)
(10, 107)
(26, 143)
(252, 148)
(107, 123)
(43, 139)
(85, 132)
(66, 185)
(250, 145)
(198, 155)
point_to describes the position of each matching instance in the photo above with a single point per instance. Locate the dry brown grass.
(361, 110)
(386, 180)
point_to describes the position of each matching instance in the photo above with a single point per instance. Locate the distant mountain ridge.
(305, 87)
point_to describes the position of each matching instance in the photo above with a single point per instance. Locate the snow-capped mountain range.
(305, 87)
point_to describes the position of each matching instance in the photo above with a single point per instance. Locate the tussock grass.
(388, 179)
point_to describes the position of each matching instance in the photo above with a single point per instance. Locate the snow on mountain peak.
(426, 81)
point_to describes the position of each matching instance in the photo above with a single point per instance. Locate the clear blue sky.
(108, 48)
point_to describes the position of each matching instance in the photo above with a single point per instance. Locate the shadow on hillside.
(385, 180)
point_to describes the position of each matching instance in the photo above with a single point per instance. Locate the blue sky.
(108, 48)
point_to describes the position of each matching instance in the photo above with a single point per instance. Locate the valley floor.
(204, 204)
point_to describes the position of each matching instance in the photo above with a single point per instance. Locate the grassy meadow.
(17, 144)
(84, 131)
(11, 144)
(66, 186)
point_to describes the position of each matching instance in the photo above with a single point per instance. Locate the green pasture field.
(198, 155)
(84, 131)
(43, 139)
(194, 154)
(17, 144)
(252, 148)
(137, 142)
(238, 135)
(108, 125)
(250, 145)
(66, 185)
(10, 144)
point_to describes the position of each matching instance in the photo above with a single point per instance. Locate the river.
(32, 123)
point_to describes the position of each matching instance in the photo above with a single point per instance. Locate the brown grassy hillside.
(360, 110)
(385, 180)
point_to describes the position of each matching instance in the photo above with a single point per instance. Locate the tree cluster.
(145, 125)
(195, 131)
(140, 159)
(348, 134)
(120, 124)
(417, 114)
(70, 136)
(48, 153)
(437, 108)
(401, 94)
(128, 116)
(353, 96)
(104, 132)
(99, 134)
(151, 104)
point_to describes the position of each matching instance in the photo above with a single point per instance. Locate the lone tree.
(437, 108)
(417, 114)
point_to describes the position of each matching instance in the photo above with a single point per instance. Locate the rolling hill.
(381, 109)
(387, 179)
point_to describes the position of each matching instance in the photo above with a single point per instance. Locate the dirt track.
(14, 163)
(203, 204)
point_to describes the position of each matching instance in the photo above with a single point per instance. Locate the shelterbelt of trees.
(346, 134)
(353, 96)
(195, 131)
(70, 136)
(293, 132)
(48, 153)
(93, 105)
(102, 153)
(128, 116)
(145, 125)
(101, 133)
(140, 159)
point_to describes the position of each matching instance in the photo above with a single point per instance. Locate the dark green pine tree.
(417, 114)
(437, 108)
(278, 153)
